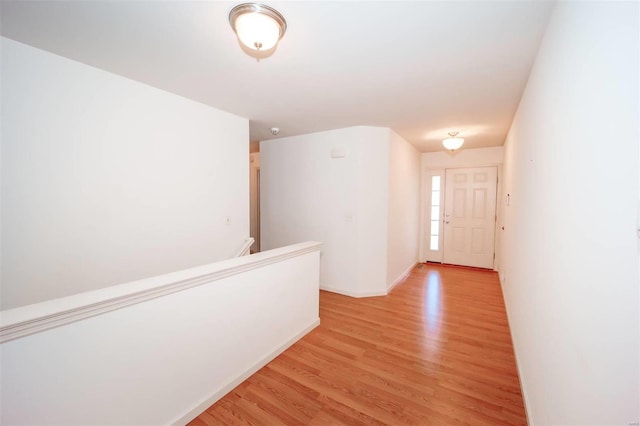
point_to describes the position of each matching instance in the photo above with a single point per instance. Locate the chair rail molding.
(26, 320)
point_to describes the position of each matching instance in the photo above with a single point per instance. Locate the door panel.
(479, 203)
(469, 216)
(459, 202)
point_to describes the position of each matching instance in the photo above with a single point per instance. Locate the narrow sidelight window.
(435, 213)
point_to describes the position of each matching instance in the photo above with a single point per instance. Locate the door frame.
(427, 255)
(254, 200)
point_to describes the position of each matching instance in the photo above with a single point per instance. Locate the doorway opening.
(254, 199)
(462, 216)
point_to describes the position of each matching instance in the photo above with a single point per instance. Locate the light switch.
(338, 153)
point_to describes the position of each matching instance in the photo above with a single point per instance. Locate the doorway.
(254, 200)
(470, 216)
(462, 217)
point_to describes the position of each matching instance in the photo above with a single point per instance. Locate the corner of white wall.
(344, 202)
(404, 200)
(372, 209)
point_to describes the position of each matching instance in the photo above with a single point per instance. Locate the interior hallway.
(436, 351)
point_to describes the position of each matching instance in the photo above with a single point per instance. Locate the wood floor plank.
(323, 418)
(436, 351)
(295, 407)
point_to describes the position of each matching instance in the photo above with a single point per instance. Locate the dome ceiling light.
(258, 27)
(453, 142)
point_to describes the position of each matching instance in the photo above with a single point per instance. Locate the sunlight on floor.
(432, 312)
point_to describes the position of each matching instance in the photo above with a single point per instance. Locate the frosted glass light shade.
(453, 143)
(257, 26)
(257, 32)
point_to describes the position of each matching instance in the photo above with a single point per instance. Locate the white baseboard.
(523, 387)
(371, 293)
(402, 277)
(199, 408)
(353, 293)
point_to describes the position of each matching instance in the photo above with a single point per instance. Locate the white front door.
(470, 216)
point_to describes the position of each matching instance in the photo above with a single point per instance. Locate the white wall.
(165, 360)
(570, 263)
(372, 210)
(106, 180)
(478, 157)
(343, 202)
(308, 195)
(403, 233)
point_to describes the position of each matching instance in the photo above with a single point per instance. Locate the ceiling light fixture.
(453, 142)
(257, 26)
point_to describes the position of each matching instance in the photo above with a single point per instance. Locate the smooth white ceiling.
(420, 68)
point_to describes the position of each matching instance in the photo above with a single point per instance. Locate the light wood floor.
(436, 351)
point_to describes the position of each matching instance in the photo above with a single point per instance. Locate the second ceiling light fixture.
(453, 142)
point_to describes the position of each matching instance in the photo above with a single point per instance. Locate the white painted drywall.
(306, 194)
(165, 360)
(106, 180)
(371, 216)
(570, 263)
(478, 157)
(404, 208)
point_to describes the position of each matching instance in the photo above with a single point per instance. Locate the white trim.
(352, 293)
(429, 255)
(523, 387)
(424, 200)
(244, 250)
(26, 320)
(402, 277)
(497, 245)
(209, 401)
(358, 295)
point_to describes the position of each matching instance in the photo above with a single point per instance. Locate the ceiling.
(422, 68)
